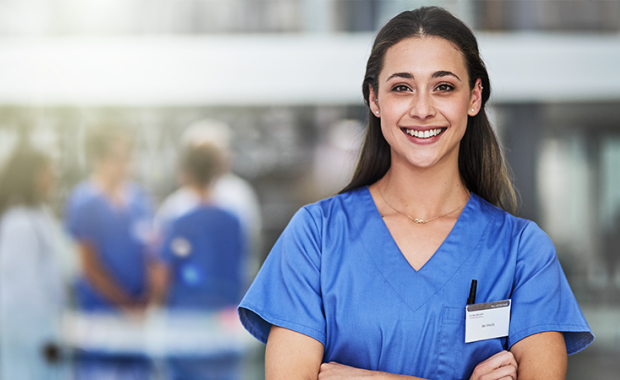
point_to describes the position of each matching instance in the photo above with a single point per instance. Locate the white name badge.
(487, 321)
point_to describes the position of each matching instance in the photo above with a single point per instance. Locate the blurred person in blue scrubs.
(32, 289)
(229, 191)
(110, 218)
(374, 282)
(203, 257)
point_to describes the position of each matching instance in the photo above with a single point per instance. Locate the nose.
(422, 106)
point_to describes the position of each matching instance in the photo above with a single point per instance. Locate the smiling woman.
(374, 281)
(415, 100)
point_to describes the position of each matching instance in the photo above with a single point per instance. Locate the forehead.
(424, 56)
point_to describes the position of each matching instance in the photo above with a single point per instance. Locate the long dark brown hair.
(481, 163)
(18, 178)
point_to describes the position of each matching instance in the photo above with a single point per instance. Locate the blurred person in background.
(110, 218)
(32, 294)
(229, 191)
(203, 258)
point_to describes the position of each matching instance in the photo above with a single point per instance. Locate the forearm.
(291, 355)
(335, 371)
(159, 280)
(107, 288)
(101, 280)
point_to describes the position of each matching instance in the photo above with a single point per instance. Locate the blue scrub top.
(337, 275)
(206, 253)
(118, 235)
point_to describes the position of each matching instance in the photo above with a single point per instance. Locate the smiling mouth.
(424, 134)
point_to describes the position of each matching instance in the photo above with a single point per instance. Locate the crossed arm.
(104, 283)
(291, 355)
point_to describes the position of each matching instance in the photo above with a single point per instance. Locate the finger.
(507, 372)
(486, 369)
(325, 367)
(503, 358)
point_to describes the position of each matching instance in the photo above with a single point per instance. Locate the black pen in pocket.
(472, 292)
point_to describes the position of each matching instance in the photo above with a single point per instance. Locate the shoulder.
(502, 220)
(208, 214)
(332, 207)
(176, 204)
(82, 193)
(232, 182)
(525, 237)
(140, 200)
(180, 196)
(21, 222)
(324, 214)
(235, 192)
(17, 216)
(327, 219)
(137, 192)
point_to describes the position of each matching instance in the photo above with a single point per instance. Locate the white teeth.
(423, 134)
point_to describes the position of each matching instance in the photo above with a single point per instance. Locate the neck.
(423, 193)
(109, 185)
(203, 193)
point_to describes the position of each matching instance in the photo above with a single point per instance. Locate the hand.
(135, 312)
(501, 366)
(52, 353)
(336, 371)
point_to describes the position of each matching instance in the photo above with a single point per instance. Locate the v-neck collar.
(416, 287)
(117, 208)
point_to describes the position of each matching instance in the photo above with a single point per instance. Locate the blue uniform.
(337, 275)
(119, 236)
(206, 253)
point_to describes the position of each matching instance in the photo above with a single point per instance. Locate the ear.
(475, 101)
(373, 102)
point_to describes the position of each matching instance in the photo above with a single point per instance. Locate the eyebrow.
(400, 75)
(436, 74)
(444, 73)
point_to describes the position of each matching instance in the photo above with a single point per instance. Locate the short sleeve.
(70, 217)
(287, 291)
(175, 245)
(542, 299)
(81, 221)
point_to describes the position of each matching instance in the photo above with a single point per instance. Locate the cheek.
(457, 112)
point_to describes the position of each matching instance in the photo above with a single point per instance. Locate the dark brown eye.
(445, 87)
(400, 88)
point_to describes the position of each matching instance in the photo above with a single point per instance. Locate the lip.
(423, 141)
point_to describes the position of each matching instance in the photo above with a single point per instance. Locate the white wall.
(280, 69)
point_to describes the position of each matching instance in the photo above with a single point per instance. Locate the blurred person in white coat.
(229, 192)
(32, 293)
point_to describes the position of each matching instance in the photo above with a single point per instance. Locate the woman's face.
(423, 100)
(116, 164)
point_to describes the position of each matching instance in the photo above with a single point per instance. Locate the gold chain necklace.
(416, 220)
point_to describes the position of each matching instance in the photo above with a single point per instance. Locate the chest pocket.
(457, 359)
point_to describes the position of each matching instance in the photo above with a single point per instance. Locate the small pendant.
(419, 221)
